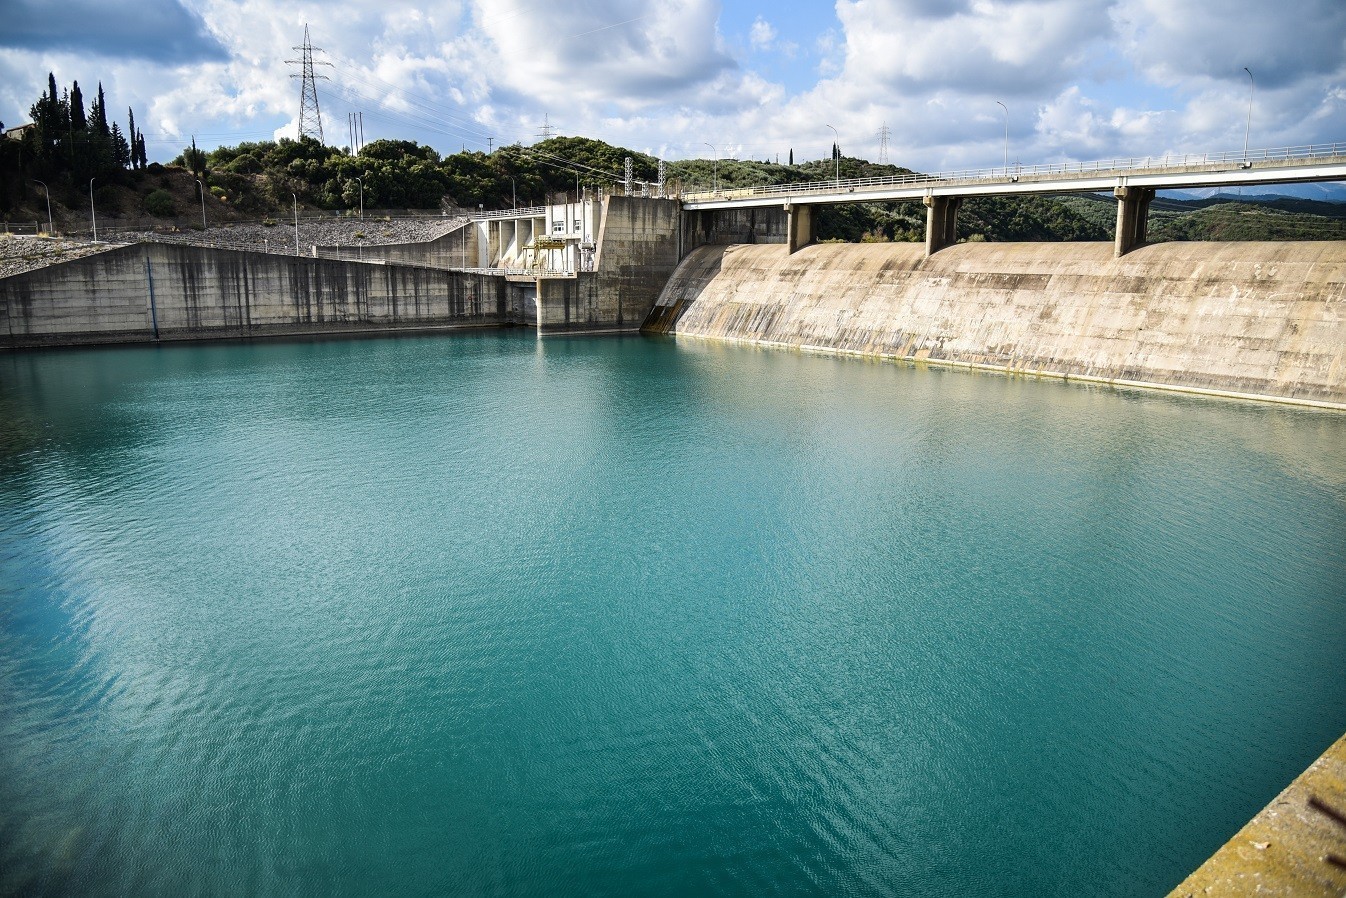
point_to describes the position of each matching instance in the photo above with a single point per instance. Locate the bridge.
(1133, 182)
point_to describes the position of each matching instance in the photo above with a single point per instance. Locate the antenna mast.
(310, 119)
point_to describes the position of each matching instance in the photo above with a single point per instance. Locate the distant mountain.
(1330, 192)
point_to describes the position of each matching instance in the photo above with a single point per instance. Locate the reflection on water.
(485, 614)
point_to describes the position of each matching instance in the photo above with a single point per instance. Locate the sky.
(1079, 80)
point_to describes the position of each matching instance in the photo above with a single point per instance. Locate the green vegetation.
(68, 146)
(262, 180)
(1246, 221)
(161, 203)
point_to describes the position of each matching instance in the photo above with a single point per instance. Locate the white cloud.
(1081, 78)
(761, 35)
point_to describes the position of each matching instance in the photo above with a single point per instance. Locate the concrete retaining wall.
(637, 254)
(457, 249)
(765, 224)
(1258, 319)
(158, 291)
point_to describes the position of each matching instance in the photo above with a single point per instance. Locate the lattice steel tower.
(884, 133)
(310, 119)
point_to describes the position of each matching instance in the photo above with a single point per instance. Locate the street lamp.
(93, 213)
(362, 198)
(296, 224)
(836, 152)
(1252, 88)
(1006, 108)
(714, 170)
(203, 202)
(50, 229)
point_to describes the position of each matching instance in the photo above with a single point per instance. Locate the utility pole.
(310, 119)
(1252, 89)
(547, 131)
(51, 232)
(884, 133)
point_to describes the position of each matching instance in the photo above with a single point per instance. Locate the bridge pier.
(941, 213)
(799, 229)
(1133, 214)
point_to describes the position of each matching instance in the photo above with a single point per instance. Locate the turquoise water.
(490, 616)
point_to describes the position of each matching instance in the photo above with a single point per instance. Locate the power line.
(310, 119)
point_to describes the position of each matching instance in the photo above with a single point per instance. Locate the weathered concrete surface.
(637, 254)
(1283, 850)
(1262, 320)
(154, 291)
(457, 249)
(752, 225)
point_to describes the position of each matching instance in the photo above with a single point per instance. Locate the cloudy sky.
(1080, 79)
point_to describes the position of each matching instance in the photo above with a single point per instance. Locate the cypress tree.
(78, 120)
(131, 133)
(140, 149)
(98, 116)
(792, 155)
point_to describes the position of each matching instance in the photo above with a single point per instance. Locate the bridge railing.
(530, 212)
(1172, 161)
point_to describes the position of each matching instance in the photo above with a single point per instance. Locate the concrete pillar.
(799, 228)
(1133, 215)
(941, 219)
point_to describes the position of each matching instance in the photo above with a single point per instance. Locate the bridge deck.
(1281, 166)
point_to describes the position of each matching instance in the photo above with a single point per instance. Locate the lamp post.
(836, 153)
(1252, 88)
(93, 213)
(514, 191)
(362, 198)
(50, 228)
(1006, 108)
(714, 170)
(203, 202)
(296, 224)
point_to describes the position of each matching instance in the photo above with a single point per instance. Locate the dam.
(454, 609)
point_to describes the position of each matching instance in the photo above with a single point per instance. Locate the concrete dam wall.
(155, 291)
(1263, 320)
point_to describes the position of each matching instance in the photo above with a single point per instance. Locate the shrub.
(160, 204)
(268, 222)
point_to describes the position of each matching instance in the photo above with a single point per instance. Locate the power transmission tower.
(310, 119)
(547, 131)
(884, 133)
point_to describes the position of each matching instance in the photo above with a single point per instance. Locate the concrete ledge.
(1284, 849)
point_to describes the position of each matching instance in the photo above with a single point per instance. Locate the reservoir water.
(483, 615)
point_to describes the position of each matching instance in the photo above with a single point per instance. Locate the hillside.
(266, 181)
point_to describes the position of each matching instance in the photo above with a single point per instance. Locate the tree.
(792, 155)
(98, 115)
(77, 118)
(121, 150)
(131, 135)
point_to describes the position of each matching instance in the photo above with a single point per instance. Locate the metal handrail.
(1169, 162)
(530, 212)
(520, 272)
